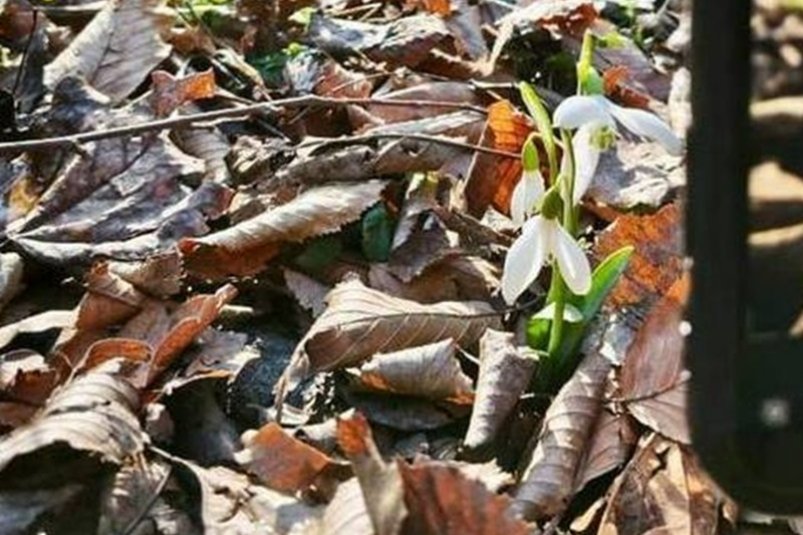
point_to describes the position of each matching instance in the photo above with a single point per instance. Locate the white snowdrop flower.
(542, 239)
(595, 119)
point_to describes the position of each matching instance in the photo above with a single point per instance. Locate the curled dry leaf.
(86, 427)
(491, 178)
(284, 463)
(430, 371)
(380, 482)
(653, 380)
(245, 248)
(547, 483)
(662, 489)
(505, 373)
(360, 322)
(117, 50)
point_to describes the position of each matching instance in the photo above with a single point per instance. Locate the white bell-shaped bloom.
(526, 195)
(542, 239)
(594, 117)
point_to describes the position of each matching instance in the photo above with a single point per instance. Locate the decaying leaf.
(285, 463)
(662, 489)
(246, 247)
(118, 49)
(653, 380)
(505, 373)
(547, 483)
(360, 322)
(430, 371)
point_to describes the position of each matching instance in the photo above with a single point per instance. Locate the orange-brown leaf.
(657, 262)
(491, 178)
(282, 462)
(169, 92)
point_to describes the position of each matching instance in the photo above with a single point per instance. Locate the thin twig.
(230, 113)
(420, 137)
(151, 501)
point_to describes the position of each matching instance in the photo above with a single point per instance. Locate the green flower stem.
(557, 288)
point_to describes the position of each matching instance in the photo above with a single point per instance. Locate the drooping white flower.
(595, 119)
(542, 239)
(526, 195)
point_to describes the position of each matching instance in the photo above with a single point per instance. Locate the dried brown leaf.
(26, 378)
(245, 248)
(430, 371)
(89, 424)
(653, 380)
(547, 483)
(360, 322)
(609, 448)
(117, 50)
(443, 501)
(505, 373)
(636, 176)
(406, 413)
(662, 490)
(658, 259)
(491, 178)
(284, 463)
(169, 93)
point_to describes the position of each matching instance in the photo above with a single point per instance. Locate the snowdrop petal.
(646, 124)
(518, 203)
(576, 111)
(572, 261)
(586, 158)
(524, 260)
(526, 195)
